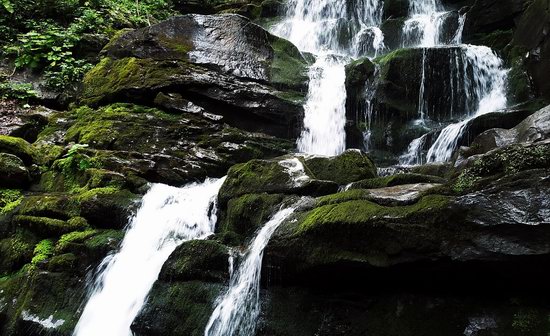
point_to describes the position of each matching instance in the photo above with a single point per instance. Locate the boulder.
(13, 173)
(224, 64)
(299, 175)
(533, 129)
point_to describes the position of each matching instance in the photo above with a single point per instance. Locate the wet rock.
(531, 36)
(534, 128)
(400, 195)
(224, 64)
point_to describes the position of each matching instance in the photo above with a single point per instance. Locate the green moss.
(103, 239)
(288, 68)
(395, 180)
(9, 200)
(72, 238)
(43, 251)
(254, 176)
(47, 226)
(399, 53)
(504, 161)
(349, 195)
(98, 192)
(247, 213)
(15, 251)
(50, 205)
(17, 147)
(345, 168)
(360, 212)
(110, 77)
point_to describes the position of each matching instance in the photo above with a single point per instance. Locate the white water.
(168, 216)
(237, 311)
(423, 27)
(317, 26)
(487, 87)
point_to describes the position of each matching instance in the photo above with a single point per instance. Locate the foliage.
(19, 91)
(46, 35)
(42, 251)
(9, 200)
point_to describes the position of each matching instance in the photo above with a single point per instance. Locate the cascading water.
(423, 26)
(237, 311)
(168, 216)
(335, 31)
(487, 86)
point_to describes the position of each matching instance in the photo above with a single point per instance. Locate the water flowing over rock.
(237, 311)
(334, 32)
(168, 217)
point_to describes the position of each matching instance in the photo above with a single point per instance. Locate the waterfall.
(486, 87)
(423, 26)
(237, 310)
(168, 216)
(335, 31)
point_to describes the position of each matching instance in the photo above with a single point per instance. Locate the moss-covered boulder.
(13, 173)
(107, 208)
(395, 180)
(17, 147)
(350, 166)
(300, 175)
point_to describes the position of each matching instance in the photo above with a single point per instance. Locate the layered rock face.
(171, 103)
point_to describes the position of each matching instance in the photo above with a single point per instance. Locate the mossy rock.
(17, 147)
(177, 308)
(13, 173)
(289, 69)
(204, 260)
(270, 176)
(59, 206)
(359, 213)
(16, 251)
(480, 170)
(9, 200)
(350, 166)
(395, 180)
(107, 208)
(245, 214)
(48, 227)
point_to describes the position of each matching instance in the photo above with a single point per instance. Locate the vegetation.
(51, 36)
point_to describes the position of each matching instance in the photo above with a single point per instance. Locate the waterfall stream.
(237, 310)
(318, 26)
(168, 216)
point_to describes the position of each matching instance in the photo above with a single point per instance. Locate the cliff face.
(436, 249)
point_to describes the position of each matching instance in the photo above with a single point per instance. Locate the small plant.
(42, 251)
(18, 91)
(9, 200)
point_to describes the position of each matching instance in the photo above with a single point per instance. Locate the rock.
(177, 308)
(279, 176)
(257, 86)
(401, 195)
(487, 16)
(107, 208)
(395, 180)
(180, 147)
(350, 166)
(534, 128)
(13, 173)
(21, 122)
(204, 260)
(246, 214)
(396, 9)
(300, 175)
(532, 37)
(17, 147)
